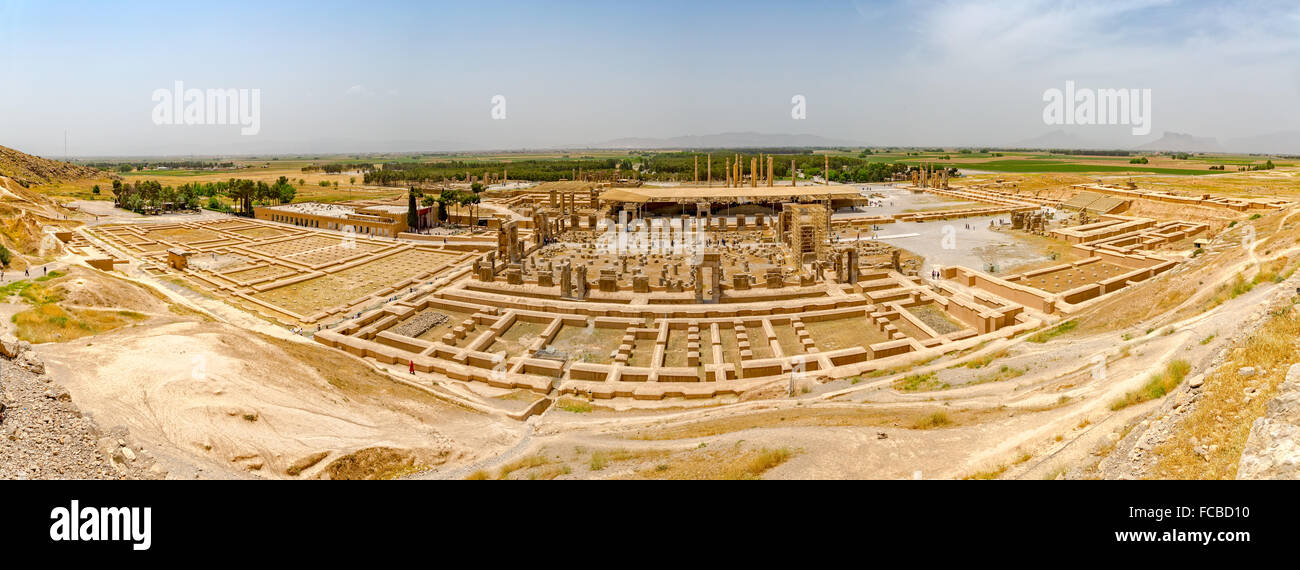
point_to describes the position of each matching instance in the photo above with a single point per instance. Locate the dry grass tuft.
(52, 323)
(919, 383)
(1220, 423)
(736, 464)
(1160, 384)
(935, 420)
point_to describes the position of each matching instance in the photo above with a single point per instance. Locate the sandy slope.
(193, 393)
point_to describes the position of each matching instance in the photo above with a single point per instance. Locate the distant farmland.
(1039, 165)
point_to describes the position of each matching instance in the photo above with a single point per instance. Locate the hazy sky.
(385, 76)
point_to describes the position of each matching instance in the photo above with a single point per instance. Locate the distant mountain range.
(725, 140)
(1284, 142)
(1182, 142)
(1057, 139)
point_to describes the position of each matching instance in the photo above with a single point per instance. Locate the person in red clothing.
(412, 367)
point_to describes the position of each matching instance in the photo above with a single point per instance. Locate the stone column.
(698, 277)
(716, 270)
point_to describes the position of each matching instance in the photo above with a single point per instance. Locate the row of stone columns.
(760, 168)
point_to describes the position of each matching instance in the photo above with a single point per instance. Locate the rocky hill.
(27, 170)
(46, 437)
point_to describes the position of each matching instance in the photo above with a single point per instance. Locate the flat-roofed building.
(384, 220)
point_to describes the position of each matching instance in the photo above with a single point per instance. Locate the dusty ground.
(44, 435)
(190, 391)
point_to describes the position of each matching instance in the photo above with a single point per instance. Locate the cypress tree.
(412, 215)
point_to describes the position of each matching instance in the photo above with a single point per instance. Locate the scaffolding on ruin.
(805, 228)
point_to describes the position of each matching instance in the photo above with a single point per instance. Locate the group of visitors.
(27, 272)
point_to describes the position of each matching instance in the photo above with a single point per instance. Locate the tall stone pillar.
(582, 282)
(566, 281)
(753, 173)
(716, 270)
(697, 275)
(794, 178)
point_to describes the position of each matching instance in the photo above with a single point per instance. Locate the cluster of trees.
(125, 167)
(335, 168)
(246, 192)
(875, 172)
(1089, 152)
(1139, 160)
(681, 165)
(1268, 165)
(444, 201)
(404, 173)
(150, 195)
